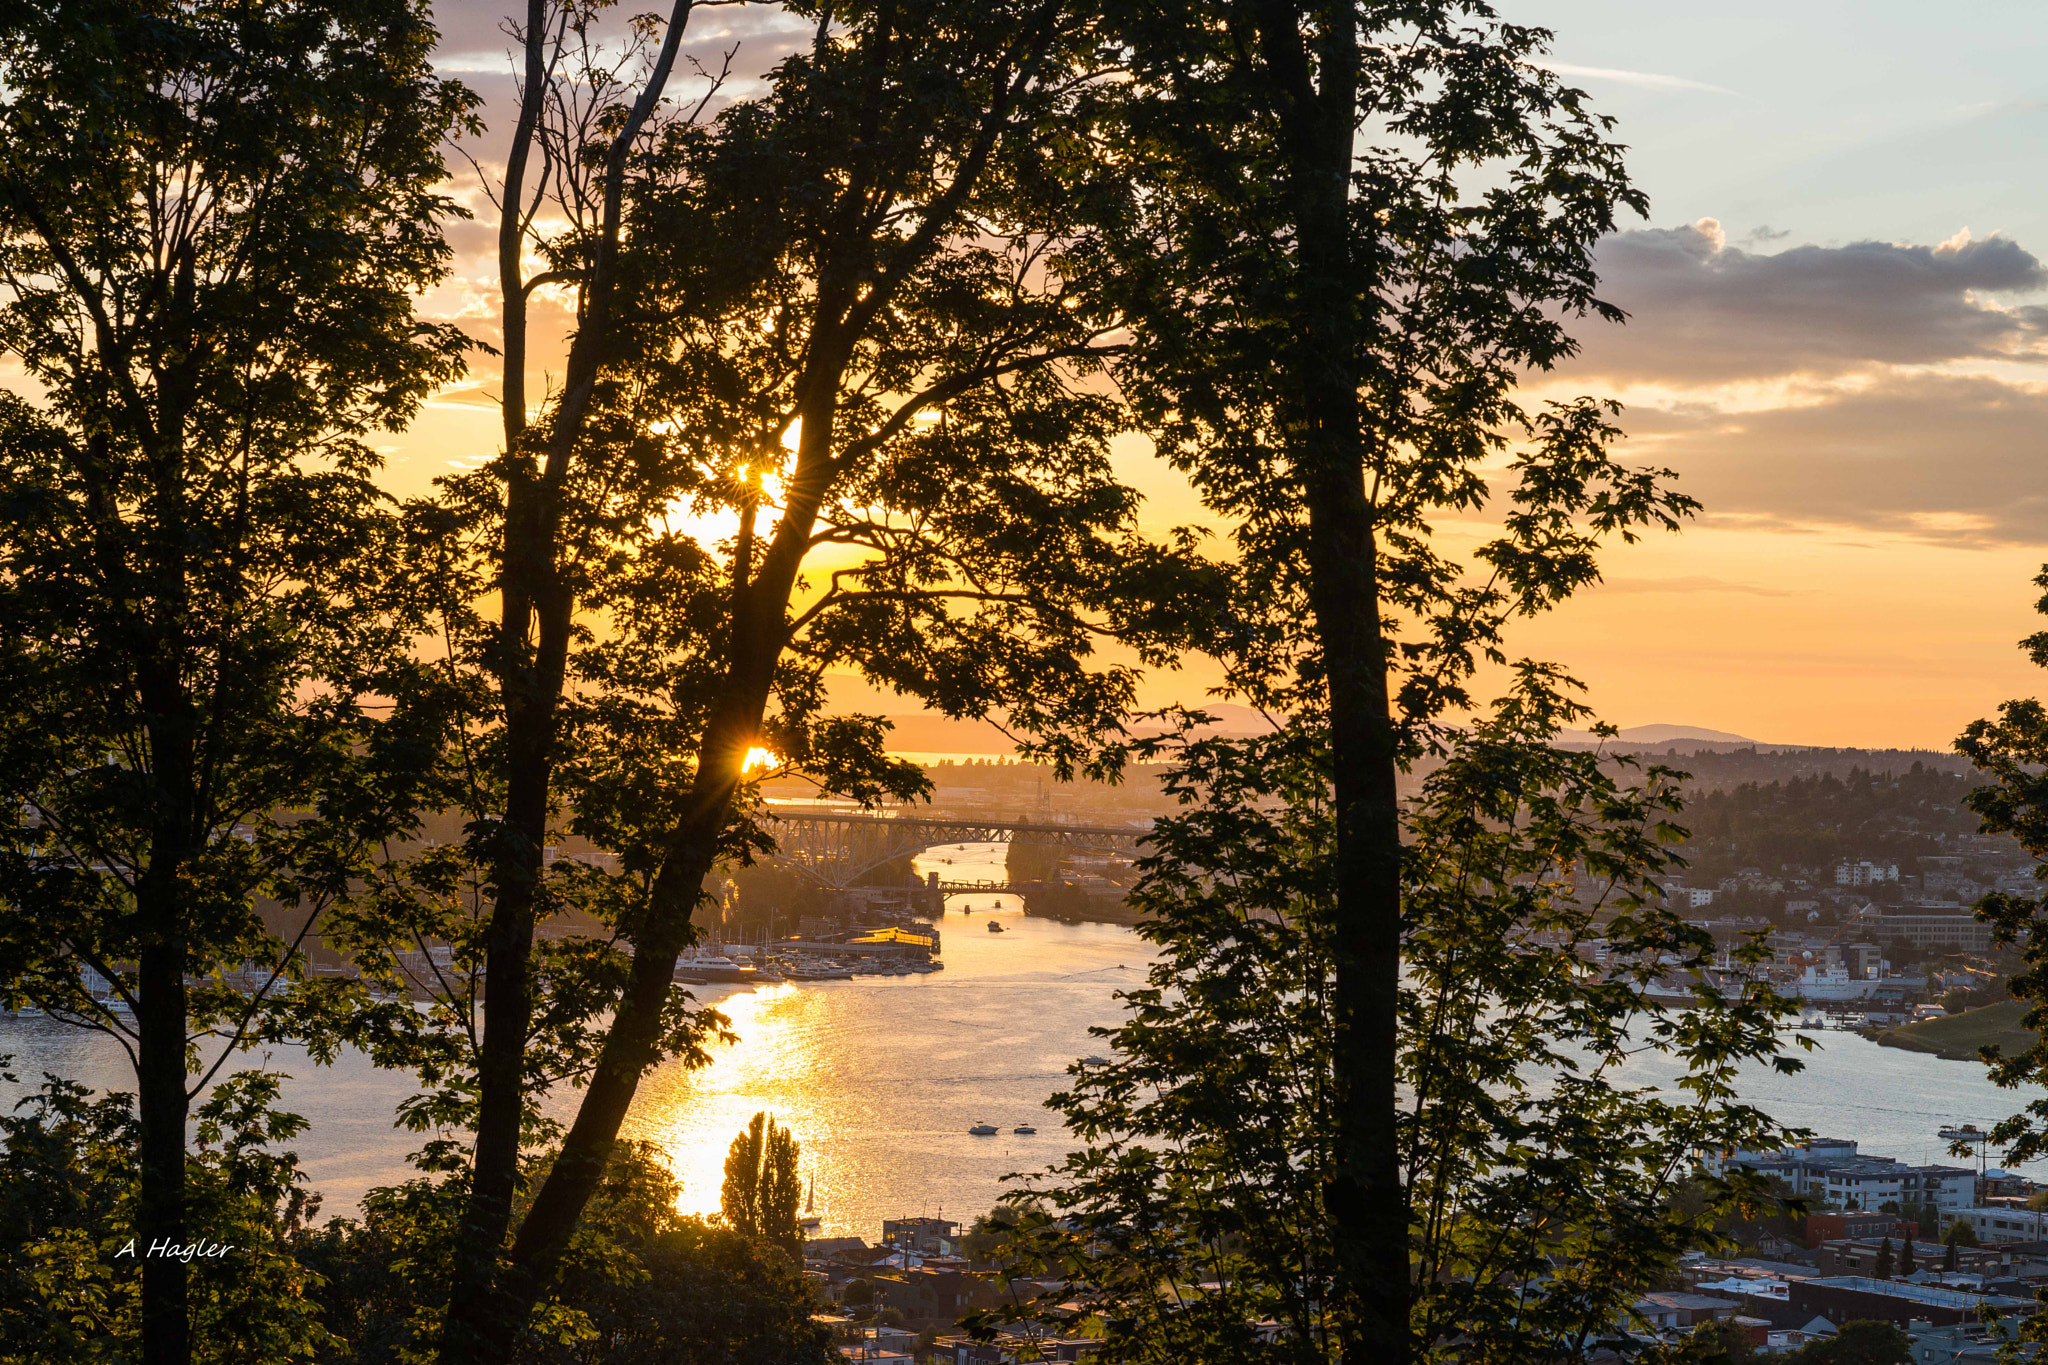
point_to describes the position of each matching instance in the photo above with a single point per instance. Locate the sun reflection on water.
(879, 1078)
(775, 1066)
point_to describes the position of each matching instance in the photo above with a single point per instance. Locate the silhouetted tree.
(852, 326)
(762, 1193)
(1330, 319)
(1718, 1343)
(215, 220)
(1862, 1341)
(2012, 751)
(1206, 1157)
(643, 1283)
(1884, 1267)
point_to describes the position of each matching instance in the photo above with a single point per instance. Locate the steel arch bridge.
(835, 850)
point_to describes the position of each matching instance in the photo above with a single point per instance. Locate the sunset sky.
(1839, 321)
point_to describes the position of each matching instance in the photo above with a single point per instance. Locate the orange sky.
(1859, 398)
(1856, 393)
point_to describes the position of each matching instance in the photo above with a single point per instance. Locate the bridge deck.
(835, 848)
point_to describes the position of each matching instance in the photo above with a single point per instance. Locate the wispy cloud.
(1694, 583)
(1652, 79)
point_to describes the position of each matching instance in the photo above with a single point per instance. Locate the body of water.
(880, 1077)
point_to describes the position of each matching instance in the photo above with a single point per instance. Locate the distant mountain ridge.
(1664, 734)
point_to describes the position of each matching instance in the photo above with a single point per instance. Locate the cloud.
(1703, 312)
(1880, 388)
(1693, 583)
(1947, 459)
(1644, 78)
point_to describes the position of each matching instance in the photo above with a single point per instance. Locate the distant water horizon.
(879, 1078)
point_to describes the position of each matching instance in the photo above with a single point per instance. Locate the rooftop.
(1689, 1301)
(1931, 1295)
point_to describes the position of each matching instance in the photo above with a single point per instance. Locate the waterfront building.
(1820, 1151)
(2004, 1223)
(1929, 926)
(1872, 1182)
(935, 1236)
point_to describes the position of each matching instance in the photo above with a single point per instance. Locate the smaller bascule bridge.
(836, 849)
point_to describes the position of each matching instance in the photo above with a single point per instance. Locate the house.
(827, 1248)
(1871, 1182)
(926, 1295)
(1829, 1227)
(1666, 1311)
(934, 1235)
(1858, 1256)
(1949, 1344)
(1818, 1151)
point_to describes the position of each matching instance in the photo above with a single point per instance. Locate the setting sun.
(761, 758)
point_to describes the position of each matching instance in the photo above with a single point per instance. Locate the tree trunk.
(1311, 59)
(1364, 1200)
(633, 1042)
(161, 1099)
(160, 1082)
(532, 694)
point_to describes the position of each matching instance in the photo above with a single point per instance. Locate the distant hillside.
(1720, 767)
(1960, 1035)
(1663, 734)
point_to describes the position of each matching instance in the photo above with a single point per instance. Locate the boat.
(823, 970)
(994, 928)
(982, 1130)
(810, 1218)
(698, 970)
(1094, 1061)
(1026, 1129)
(1832, 983)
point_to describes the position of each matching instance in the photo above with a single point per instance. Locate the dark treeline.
(1721, 766)
(1815, 822)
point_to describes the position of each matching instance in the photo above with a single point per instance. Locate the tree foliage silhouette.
(761, 1192)
(214, 223)
(1351, 231)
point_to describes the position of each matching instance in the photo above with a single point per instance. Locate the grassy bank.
(1960, 1035)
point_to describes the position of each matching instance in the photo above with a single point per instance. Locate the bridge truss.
(835, 850)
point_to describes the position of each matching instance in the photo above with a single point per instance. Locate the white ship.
(1833, 982)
